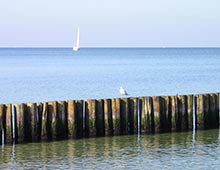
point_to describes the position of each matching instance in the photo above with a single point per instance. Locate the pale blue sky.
(110, 23)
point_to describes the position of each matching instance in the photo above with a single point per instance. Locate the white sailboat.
(76, 46)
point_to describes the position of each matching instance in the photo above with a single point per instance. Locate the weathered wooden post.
(99, 120)
(51, 116)
(190, 111)
(124, 116)
(23, 131)
(61, 121)
(20, 120)
(200, 111)
(32, 110)
(156, 105)
(167, 105)
(39, 109)
(145, 115)
(90, 113)
(214, 111)
(184, 113)
(8, 126)
(206, 111)
(15, 111)
(133, 105)
(218, 114)
(46, 132)
(178, 113)
(174, 113)
(2, 122)
(79, 118)
(71, 114)
(170, 111)
(151, 115)
(5, 124)
(162, 114)
(108, 117)
(195, 99)
(116, 115)
(26, 123)
(57, 113)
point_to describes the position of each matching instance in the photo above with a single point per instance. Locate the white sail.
(76, 47)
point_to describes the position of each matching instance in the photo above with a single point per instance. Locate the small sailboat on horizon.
(76, 47)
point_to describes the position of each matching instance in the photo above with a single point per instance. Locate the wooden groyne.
(72, 119)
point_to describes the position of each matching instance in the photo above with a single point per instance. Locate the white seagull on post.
(122, 91)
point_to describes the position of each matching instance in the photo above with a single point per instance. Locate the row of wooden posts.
(58, 120)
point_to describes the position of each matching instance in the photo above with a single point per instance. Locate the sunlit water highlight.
(162, 151)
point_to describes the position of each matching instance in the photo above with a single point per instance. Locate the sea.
(48, 74)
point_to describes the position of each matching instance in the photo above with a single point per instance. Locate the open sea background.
(41, 74)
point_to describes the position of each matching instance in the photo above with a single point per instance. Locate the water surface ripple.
(162, 151)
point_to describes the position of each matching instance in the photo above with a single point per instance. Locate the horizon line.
(162, 47)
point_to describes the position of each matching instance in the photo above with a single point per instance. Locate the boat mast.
(77, 41)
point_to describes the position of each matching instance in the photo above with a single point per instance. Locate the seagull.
(122, 91)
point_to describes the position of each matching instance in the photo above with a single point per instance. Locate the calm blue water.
(31, 75)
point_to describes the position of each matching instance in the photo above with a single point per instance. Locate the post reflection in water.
(197, 149)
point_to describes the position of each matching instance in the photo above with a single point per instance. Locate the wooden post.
(178, 113)
(195, 110)
(184, 123)
(116, 115)
(170, 112)
(163, 109)
(167, 105)
(46, 132)
(51, 116)
(20, 120)
(218, 104)
(200, 111)
(8, 128)
(79, 118)
(151, 115)
(156, 106)
(2, 122)
(90, 116)
(23, 124)
(190, 111)
(174, 113)
(71, 114)
(123, 116)
(206, 111)
(61, 121)
(26, 123)
(133, 106)
(108, 117)
(16, 111)
(39, 110)
(145, 115)
(214, 111)
(35, 121)
(99, 118)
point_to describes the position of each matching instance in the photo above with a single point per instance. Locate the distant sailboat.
(76, 46)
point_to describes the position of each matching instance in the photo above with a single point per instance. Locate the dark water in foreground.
(164, 151)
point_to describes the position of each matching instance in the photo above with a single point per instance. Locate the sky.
(110, 23)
